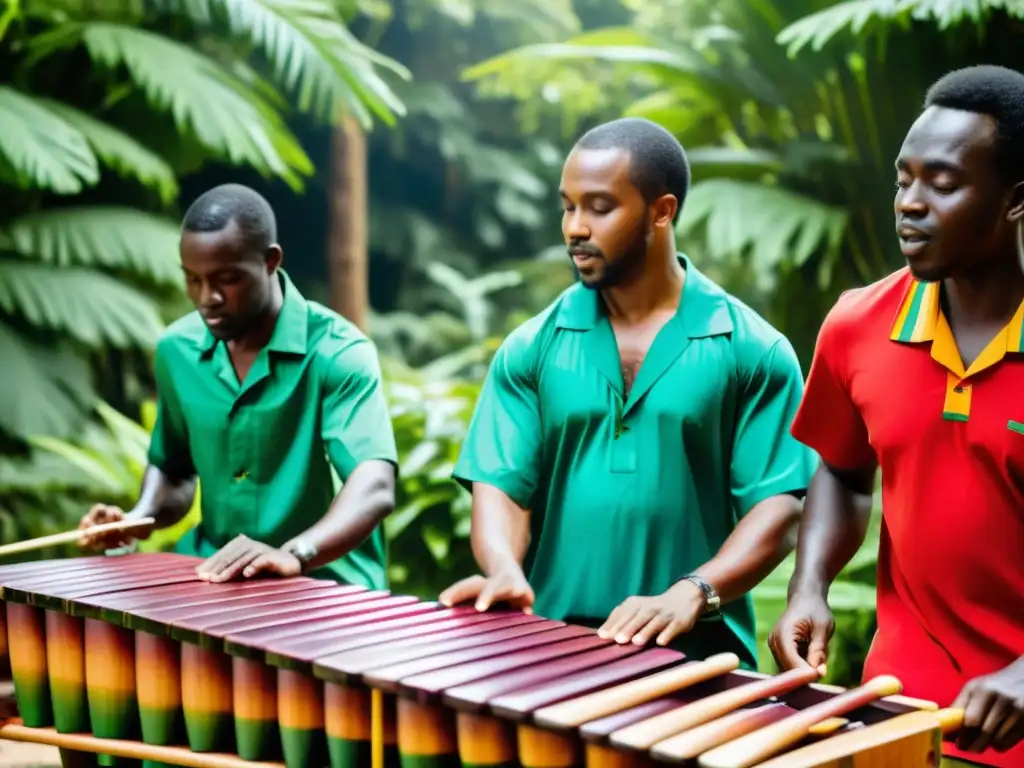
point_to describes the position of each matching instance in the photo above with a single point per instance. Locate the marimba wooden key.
(316, 673)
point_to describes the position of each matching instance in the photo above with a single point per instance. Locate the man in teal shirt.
(629, 457)
(260, 394)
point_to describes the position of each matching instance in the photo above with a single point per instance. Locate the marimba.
(136, 653)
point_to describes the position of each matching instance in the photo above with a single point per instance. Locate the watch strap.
(712, 602)
(302, 551)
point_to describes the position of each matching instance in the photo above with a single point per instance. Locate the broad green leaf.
(132, 438)
(117, 238)
(88, 306)
(205, 100)
(857, 16)
(99, 471)
(38, 148)
(119, 151)
(770, 223)
(41, 473)
(43, 389)
(613, 46)
(313, 55)
(734, 163)
(817, 29)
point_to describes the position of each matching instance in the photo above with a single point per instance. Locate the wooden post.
(347, 240)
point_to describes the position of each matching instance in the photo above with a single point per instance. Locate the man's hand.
(245, 557)
(668, 615)
(801, 636)
(993, 708)
(505, 586)
(101, 514)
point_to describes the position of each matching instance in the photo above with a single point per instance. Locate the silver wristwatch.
(303, 551)
(712, 603)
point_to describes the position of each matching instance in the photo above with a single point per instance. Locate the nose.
(909, 202)
(574, 227)
(210, 296)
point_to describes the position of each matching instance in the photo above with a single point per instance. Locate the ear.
(665, 208)
(1015, 209)
(273, 258)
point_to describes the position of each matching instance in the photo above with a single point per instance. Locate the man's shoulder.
(751, 335)
(329, 332)
(187, 332)
(859, 311)
(537, 331)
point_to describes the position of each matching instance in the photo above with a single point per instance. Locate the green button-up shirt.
(628, 494)
(264, 450)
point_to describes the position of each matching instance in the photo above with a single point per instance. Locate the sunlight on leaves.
(88, 306)
(116, 238)
(39, 148)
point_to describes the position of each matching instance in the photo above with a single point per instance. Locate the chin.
(927, 270)
(593, 281)
(221, 333)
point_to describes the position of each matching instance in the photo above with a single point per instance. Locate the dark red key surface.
(453, 641)
(350, 606)
(475, 695)
(179, 595)
(393, 676)
(424, 628)
(169, 615)
(103, 569)
(191, 627)
(14, 571)
(431, 684)
(520, 705)
(105, 581)
(332, 667)
(304, 630)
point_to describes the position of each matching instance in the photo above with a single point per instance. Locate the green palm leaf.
(817, 29)
(771, 224)
(43, 390)
(223, 114)
(119, 151)
(89, 306)
(105, 236)
(40, 149)
(312, 53)
(610, 45)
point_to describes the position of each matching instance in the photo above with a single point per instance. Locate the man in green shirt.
(260, 394)
(629, 457)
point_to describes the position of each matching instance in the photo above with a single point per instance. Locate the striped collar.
(920, 319)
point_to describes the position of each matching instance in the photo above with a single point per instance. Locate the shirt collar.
(291, 329)
(703, 308)
(920, 314)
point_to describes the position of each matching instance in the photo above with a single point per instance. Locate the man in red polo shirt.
(922, 375)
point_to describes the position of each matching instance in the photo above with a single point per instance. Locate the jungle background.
(411, 149)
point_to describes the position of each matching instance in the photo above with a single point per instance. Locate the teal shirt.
(629, 494)
(264, 450)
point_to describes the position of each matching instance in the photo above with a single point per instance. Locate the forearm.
(164, 498)
(762, 540)
(366, 499)
(832, 528)
(500, 530)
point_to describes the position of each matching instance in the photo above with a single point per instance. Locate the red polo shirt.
(887, 384)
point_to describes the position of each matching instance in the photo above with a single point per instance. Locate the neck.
(991, 295)
(657, 286)
(258, 334)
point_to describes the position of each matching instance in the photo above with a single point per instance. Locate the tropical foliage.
(103, 107)
(792, 117)
(790, 111)
(791, 122)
